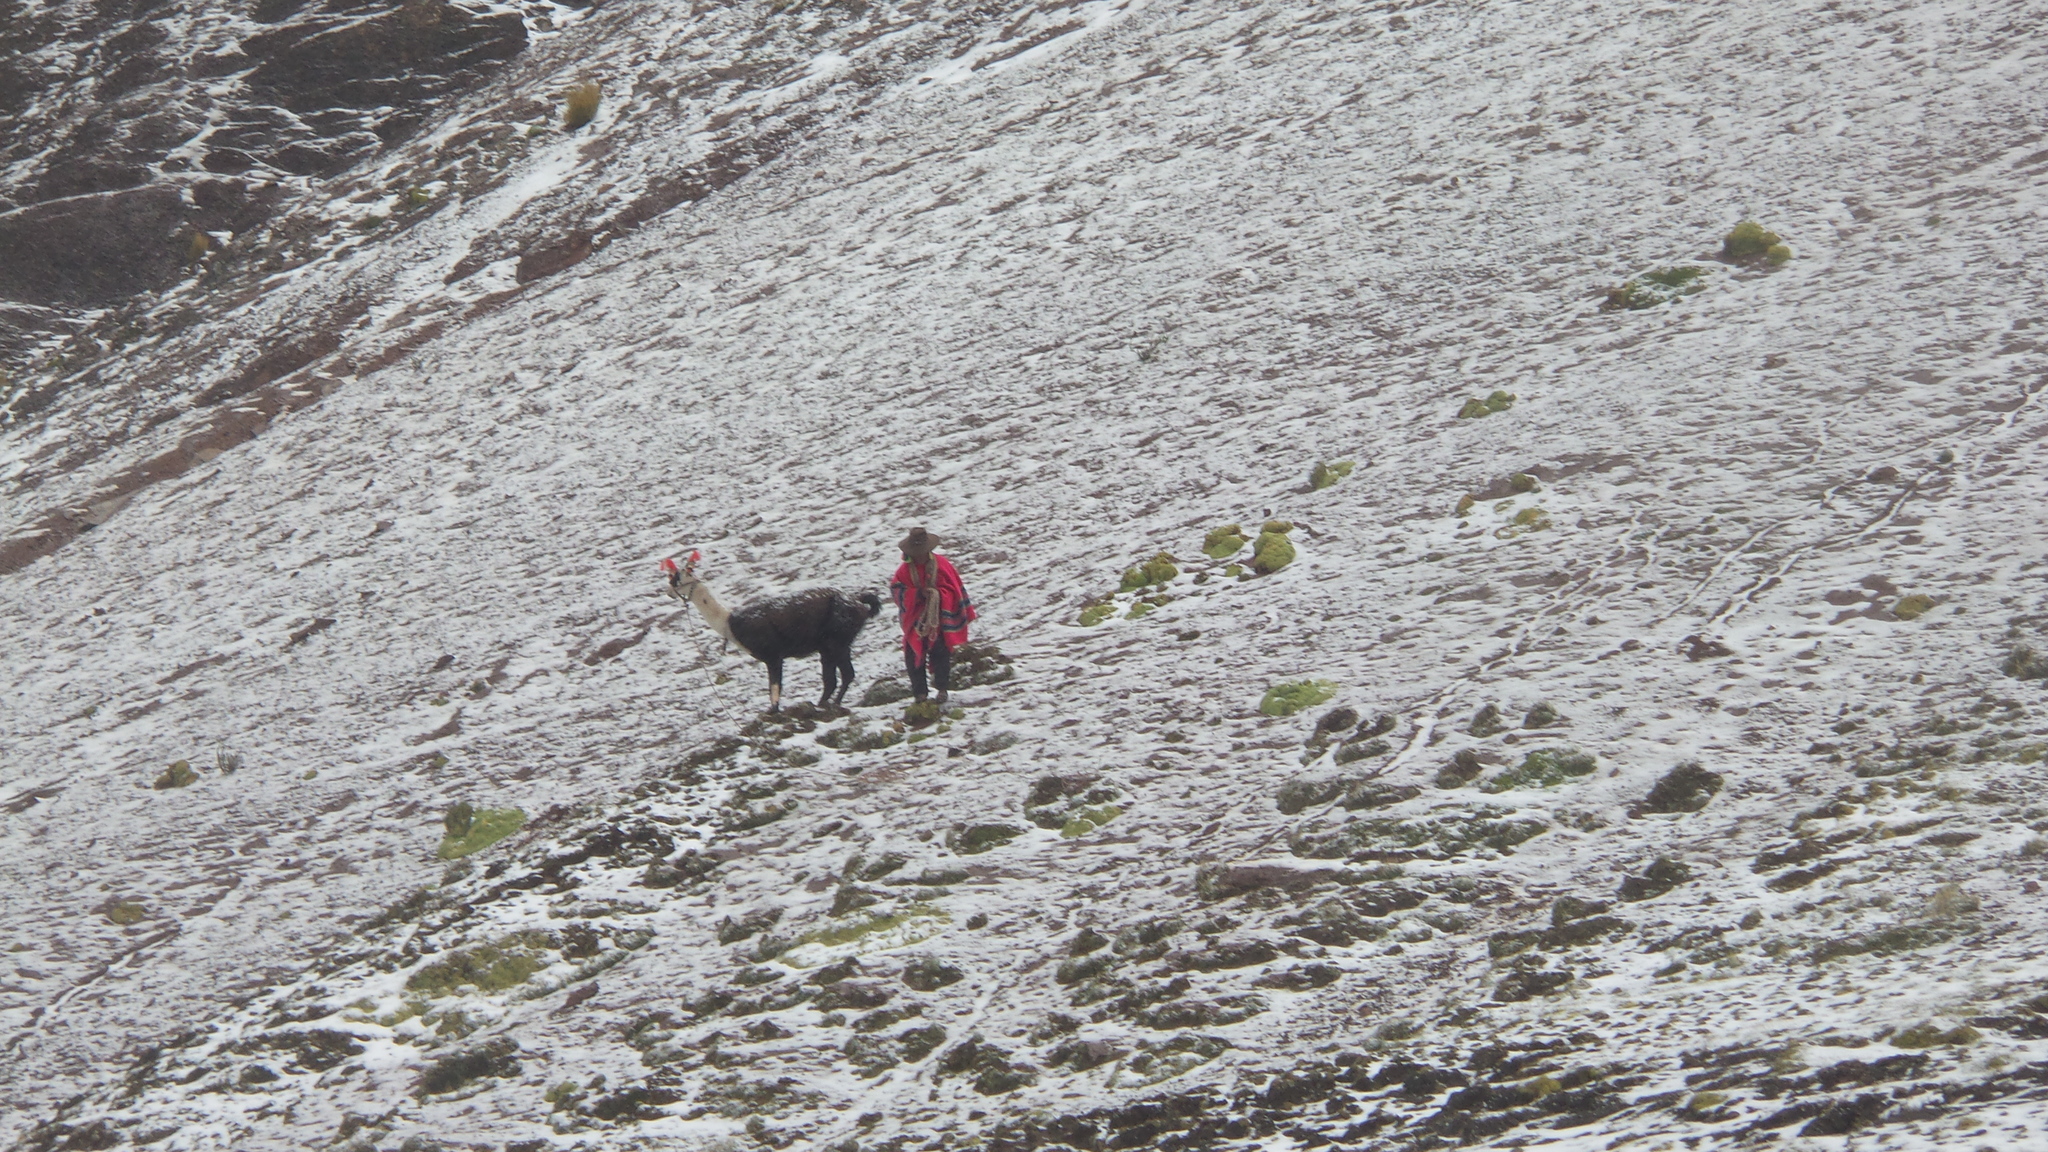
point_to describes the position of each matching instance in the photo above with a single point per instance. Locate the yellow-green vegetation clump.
(1324, 475)
(1658, 286)
(1096, 613)
(1930, 1035)
(1914, 606)
(178, 775)
(1160, 569)
(470, 829)
(1273, 551)
(1543, 768)
(1465, 505)
(1289, 698)
(1223, 542)
(580, 105)
(1531, 519)
(1088, 820)
(1750, 240)
(1498, 401)
(127, 912)
(503, 963)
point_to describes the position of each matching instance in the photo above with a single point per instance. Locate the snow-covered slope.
(1073, 286)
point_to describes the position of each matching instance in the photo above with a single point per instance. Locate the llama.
(823, 621)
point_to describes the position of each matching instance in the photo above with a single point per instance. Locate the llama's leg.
(775, 684)
(845, 675)
(828, 668)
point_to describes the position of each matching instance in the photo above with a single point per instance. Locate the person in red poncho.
(935, 612)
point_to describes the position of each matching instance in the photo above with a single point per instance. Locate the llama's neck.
(713, 612)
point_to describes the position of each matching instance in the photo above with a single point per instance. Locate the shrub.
(178, 775)
(1658, 286)
(1224, 541)
(980, 838)
(1287, 699)
(1928, 1035)
(1662, 876)
(581, 106)
(1088, 820)
(1686, 788)
(1913, 607)
(1749, 240)
(1323, 475)
(886, 690)
(483, 828)
(1497, 401)
(492, 967)
(2023, 663)
(1273, 550)
(1096, 613)
(1778, 253)
(1160, 569)
(127, 912)
(1543, 768)
(1465, 505)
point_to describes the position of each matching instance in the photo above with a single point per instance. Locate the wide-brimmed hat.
(918, 543)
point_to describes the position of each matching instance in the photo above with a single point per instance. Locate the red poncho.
(912, 588)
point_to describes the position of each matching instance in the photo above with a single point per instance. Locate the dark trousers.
(938, 658)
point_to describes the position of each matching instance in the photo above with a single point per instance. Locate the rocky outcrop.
(132, 127)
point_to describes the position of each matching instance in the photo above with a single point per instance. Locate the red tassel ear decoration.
(669, 566)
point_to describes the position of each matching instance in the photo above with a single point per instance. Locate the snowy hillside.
(1668, 765)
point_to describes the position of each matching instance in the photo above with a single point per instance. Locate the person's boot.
(942, 698)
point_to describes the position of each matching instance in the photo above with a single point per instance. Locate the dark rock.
(1300, 978)
(927, 974)
(854, 994)
(1221, 955)
(1569, 908)
(1844, 1116)
(1662, 876)
(494, 1057)
(1686, 788)
(1336, 720)
(1697, 648)
(1798, 852)
(1518, 986)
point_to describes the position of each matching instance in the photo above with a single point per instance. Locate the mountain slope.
(1073, 286)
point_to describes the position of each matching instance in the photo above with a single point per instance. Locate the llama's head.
(872, 603)
(682, 578)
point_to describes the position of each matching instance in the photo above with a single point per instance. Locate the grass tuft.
(481, 828)
(1749, 240)
(1289, 698)
(1543, 768)
(1273, 551)
(581, 105)
(1655, 287)
(1223, 542)
(178, 775)
(1914, 606)
(1324, 475)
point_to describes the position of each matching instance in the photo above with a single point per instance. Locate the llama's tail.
(873, 602)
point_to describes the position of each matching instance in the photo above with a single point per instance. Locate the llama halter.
(677, 576)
